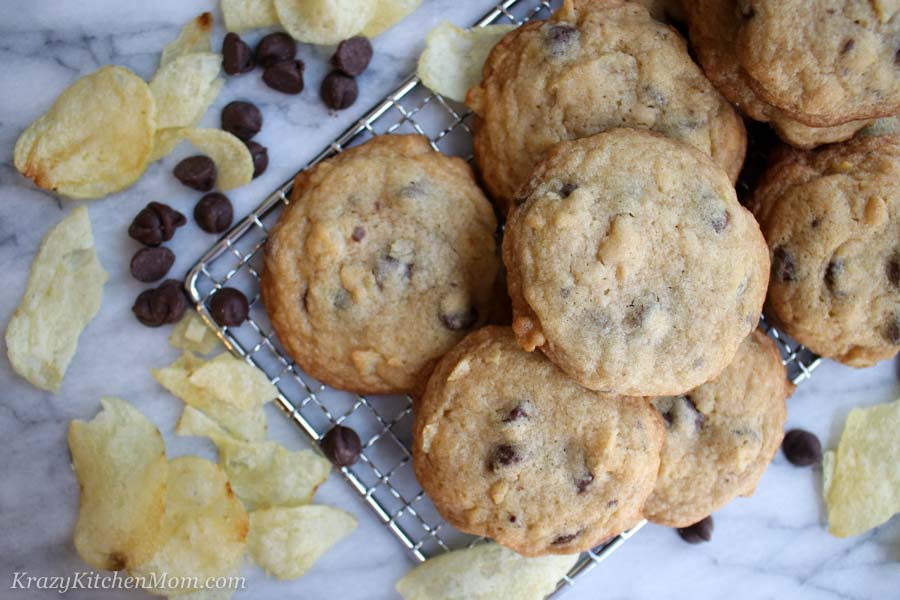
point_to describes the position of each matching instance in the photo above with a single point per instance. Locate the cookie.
(595, 66)
(507, 446)
(632, 265)
(721, 436)
(384, 259)
(823, 62)
(831, 218)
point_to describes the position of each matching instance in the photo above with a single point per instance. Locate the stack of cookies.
(628, 380)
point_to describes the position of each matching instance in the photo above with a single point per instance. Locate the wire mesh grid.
(383, 476)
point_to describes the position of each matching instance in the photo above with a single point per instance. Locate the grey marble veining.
(772, 545)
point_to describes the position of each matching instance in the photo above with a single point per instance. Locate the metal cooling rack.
(383, 476)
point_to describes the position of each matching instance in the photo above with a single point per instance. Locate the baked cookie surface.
(631, 264)
(721, 436)
(507, 446)
(593, 67)
(384, 259)
(831, 218)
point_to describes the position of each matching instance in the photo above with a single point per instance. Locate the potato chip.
(863, 476)
(486, 571)
(234, 165)
(234, 381)
(166, 140)
(241, 15)
(204, 530)
(249, 425)
(192, 334)
(324, 21)
(268, 474)
(120, 461)
(95, 139)
(387, 14)
(182, 88)
(453, 57)
(193, 423)
(63, 295)
(194, 37)
(286, 542)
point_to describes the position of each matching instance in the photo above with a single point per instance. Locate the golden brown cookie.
(384, 259)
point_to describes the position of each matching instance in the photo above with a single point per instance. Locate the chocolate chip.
(892, 331)
(198, 172)
(214, 213)
(802, 448)
(243, 119)
(161, 305)
(338, 91)
(260, 155)
(512, 518)
(783, 268)
(699, 532)
(285, 76)
(151, 264)
(848, 46)
(612, 504)
(457, 321)
(582, 483)
(236, 55)
(720, 223)
(832, 276)
(815, 222)
(155, 224)
(560, 36)
(893, 269)
(229, 307)
(359, 232)
(341, 299)
(388, 268)
(275, 48)
(502, 456)
(515, 414)
(352, 56)
(341, 445)
(672, 408)
(565, 539)
(567, 189)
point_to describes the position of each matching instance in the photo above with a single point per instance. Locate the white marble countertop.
(773, 545)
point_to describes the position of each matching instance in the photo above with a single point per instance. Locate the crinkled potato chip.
(234, 165)
(194, 423)
(286, 542)
(324, 21)
(182, 88)
(249, 425)
(485, 572)
(204, 530)
(268, 474)
(63, 295)
(387, 14)
(241, 15)
(120, 461)
(453, 57)
(192, 334)
(165, 140)
(234, 381)
(863, 477)
(96, 139)
(194, 37)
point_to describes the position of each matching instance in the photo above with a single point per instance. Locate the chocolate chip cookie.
(594, 66)
(632, 265)
(384, 259)
(721, 436)
(507, 446)
(831, 218)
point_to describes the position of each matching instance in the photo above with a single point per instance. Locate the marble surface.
(772, 545)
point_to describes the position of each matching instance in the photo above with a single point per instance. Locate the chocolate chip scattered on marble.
(338, 91)
(161, 305)
(236, 55)
(341, 446)
(197, 172)
(699, 532)
(214, 213)
(802, 448)
(353, 55)
(243, 119)
(275, 48)
(155, 223)
(260, 156)
(151, 264)
(285, 76)
(229, 307)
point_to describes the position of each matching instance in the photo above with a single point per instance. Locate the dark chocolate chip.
(457, 321)
(214, 213)
(285, 76)
(848, 46)
(802, 448)
(155, 224)
(341, 299)
(783, 268)
(515, 414)
(236, 55)
(359, 232)
(198, 172)
(699, 532)
(388, 268)
(815, 222)
(512, 518)
(338, 91)
(559, 36)
(352, 56)
(260, 156)
(275, 48)
(229, 307)
(243, 119)
(832, 276)
(151, 264)
(503, 455)
(567, 189)
(565, 539)
(669, 415)
(612, 504)
(161, 305)
(341, 446)
(582, 483)
(893, 269)
(720, 223)
(892, 331)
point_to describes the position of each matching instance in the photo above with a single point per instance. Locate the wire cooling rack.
(383, 476)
